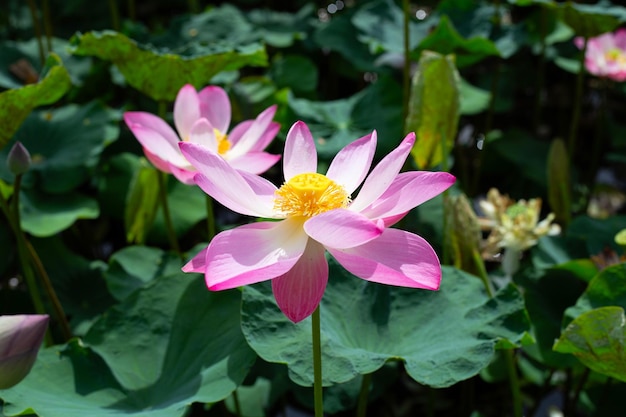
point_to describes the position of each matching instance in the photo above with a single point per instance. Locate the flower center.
(310, 194)
(615, 55)
(223, 144)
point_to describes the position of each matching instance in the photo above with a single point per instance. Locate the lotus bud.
(20, 339)
(18, 159)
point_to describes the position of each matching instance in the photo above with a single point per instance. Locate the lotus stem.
(237, 403)
(361, 410)
(509, 355)
(577, 101)
(317, 363)
(406, 70)
(115, 15)
(37, 28)
(169, 226)
(47, 23)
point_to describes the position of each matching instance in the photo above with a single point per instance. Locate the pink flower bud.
(20, 339)
(18, 159)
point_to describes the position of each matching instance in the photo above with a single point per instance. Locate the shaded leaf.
(446, 40)
(168, 345)
(597, 338)
(443, 337)
(433, 109)
(16, 104)
(161, 74)
(590, 20)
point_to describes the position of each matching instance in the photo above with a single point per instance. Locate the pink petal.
(159, 164)
(186, 110)
(395, 258)
(341, 229)
(254, 162)
(254, 133)
(184, 175)
(254, 252)
(408, 190)
(202, 133)
(155, 136)
(300, 155)
(259, 185)
(383, 174)
(197, 263)
(352, 163)
(299, 291)
(222, 182)
(620, 38)
(215, 106)
(267, 137)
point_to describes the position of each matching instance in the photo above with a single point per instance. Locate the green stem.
(480, 266)
(210, 218)
(540, 70)
(194, 7)
(577, 102)
(237, 404)
(131, 10)
(361, 410)
(47, 23)
(406, 71)
(317, 363)
(516, 392)
(579, 388)
(115, 15)
(33, 13)
(13, 214)
(169, 226)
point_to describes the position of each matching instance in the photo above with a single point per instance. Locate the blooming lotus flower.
(606, 55)
(204, 118)
(20, 339)
(317, 213)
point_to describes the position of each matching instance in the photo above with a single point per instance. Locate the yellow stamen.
(307, 195)
(615, 55)
(223, 144)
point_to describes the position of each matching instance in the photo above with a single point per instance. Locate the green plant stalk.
(26, 251)
(131, 10)
(406, 70)
(115, 15)
(577, 102)
(47, 23)
(210, 218)
(33, 13)
(193, 5)
(162, 177)
(317, 363)
(509, 354)
(445, 256)
(169, 226)
(361, 410)
(237, 403)
(579, 387)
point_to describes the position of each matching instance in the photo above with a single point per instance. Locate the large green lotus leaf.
(166, 346)
(45, 215)
(161, 74)
(433, 109)
(174, 339)
(446, 40)
(597, 338)
(381, 27)
(339, 34)
(334, 124)
(16, 104)
(65, 145)
(443, 337)
(608, 288)
(590, 20)
(133, 266)
(295, 72)
(78, 282)
(548, 293)
(473, 99)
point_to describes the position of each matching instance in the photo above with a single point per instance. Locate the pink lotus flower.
(318, 214)
(20, 340)
(203, 118)
(606, 55)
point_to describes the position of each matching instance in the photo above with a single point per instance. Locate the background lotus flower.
(606, 55)
(20, 339)
(318, 214)
(204, 118)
